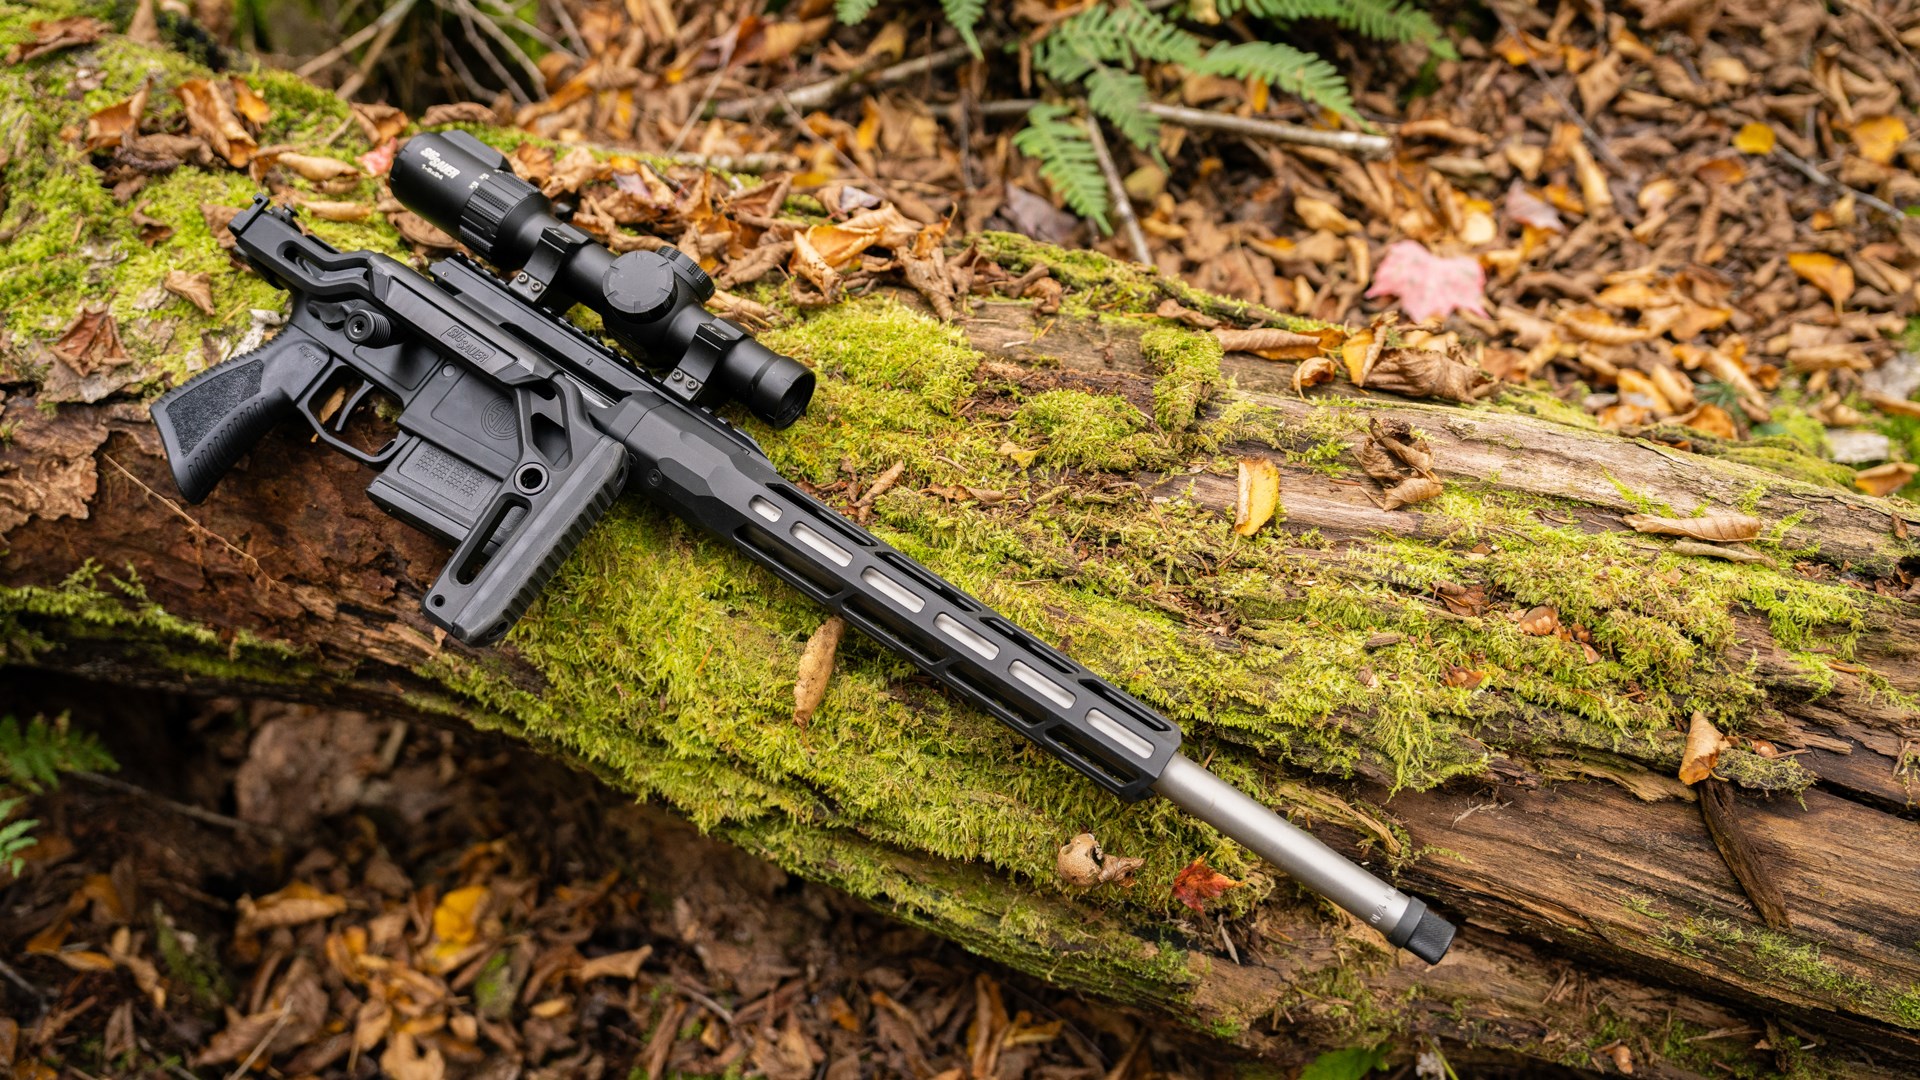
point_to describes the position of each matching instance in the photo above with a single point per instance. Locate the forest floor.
(479, 910)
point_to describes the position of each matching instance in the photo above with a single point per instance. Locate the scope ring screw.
(530, 479)
(654, 479)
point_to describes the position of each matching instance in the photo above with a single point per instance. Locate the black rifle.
(517, 430)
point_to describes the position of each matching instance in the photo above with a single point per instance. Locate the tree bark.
(1360, 667)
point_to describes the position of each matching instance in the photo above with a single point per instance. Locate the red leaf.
(1198, 883)
(1429, 286)
(378, 160)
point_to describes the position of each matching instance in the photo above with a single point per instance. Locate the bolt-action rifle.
(516, 430)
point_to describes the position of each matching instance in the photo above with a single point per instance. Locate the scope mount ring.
(534, 281)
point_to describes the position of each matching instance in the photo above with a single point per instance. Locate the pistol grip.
(209, 421)
(480, 609)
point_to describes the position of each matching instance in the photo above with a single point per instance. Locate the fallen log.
(1366, 670)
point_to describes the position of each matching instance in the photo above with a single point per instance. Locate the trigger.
(345, 412)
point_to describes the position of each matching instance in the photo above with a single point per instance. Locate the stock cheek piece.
(515, 431)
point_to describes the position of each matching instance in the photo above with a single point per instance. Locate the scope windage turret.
(650, 301)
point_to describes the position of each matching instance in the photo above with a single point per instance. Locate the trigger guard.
(306, 410)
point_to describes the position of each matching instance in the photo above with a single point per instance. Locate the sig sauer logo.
(467, 345)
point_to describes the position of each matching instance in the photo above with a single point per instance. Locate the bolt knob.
(639, 286)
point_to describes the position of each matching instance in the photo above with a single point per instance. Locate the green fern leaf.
(853, 11)
(34, 757)
(1284, 67)
(1118, 96)
(965, 15)
(1387, 20)
(1055, 138)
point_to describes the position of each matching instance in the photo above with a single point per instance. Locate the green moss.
(1104, 433)
(1189, 364)
(1778, 959)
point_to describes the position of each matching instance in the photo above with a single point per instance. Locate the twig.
(389, 17)
(568, 27)
(286, 1014)
(711, 1005)
(374, 52)
(500, 70)
(1599, 145)
(1117, 193)
(198, 528)
(20, 981)
(487, 26)
(738, 163)
(503, 12)
(695, 114)
(1351, 142)
(209, 817)
(819, 95)
(1807, 169)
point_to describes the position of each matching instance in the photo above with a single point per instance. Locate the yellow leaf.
(296, 904)
(1885, 479)
(1824, 272)
(1755, 138)
(1879, 137)
(1259, 495)
(456, 918)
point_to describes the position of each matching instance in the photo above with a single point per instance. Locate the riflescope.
(650, 301)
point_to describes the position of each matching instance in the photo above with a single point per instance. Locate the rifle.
(516, 431)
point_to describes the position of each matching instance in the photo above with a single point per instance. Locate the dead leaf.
(1716, 528)
(1259, 495)
(210, 117)
(1755, 138)
(1885, 479)
(1429, 287)
(91, 343)
(379, 160)
(1271, 343)
(457, 112)
(110, 126)
(1824, 272)
(622, 965)
(1529, 209)
(196, 288)
(404, 1060)
(379, 122)
(1081, 863)
(52, 35)
(1312, 372)
(808, 263)
(249, 104)
(1198, 883)
(1429, 373)
(418, 230)
(1878, 138)
(816, 667)
(314, 167)
(327, 210)
(1539, 622)
(1463, 678)
(296, 904)
(1704, 743)
(1320, 214)
(1414, 489)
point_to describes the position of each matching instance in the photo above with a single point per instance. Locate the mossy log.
(1524, 784)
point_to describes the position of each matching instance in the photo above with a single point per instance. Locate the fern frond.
(13, 836)
(1387, 20)
(1055, 138)
(34, 757)
(965, 15)
(1118, 96)
(1284, 67)
(853, 11)
(1121, 36)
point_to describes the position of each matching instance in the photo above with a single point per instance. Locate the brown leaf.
(1461, 678)
(195, 288)
(249, 104)
(91, 343)
(111, 125)
(418, 230)
(1320, 214)
(457, 112)
(404, 1060)
(296, 904)
(379, 122)
(1272, 343)
(1885, 479)
(1377, 462)
(1429, 373)
(152, 229)
(622, 965)
(218, 218)
(1180, 313)
(808, 263)
(210, 117)
(1717, 528)
(1396, 437)
(327, 210)
(314, 167)
(1258, 497)
(1313, 371)
(1414, 489)
(1539, 621)
(816, 667)
(52, 35)
(1824, 272)
(1704, 743)
(1198, 883)
(1082, 864)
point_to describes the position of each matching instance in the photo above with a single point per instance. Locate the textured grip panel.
(481, 611)
(1431, 939)
(208, 422)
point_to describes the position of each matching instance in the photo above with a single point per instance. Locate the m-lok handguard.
(516, 430)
